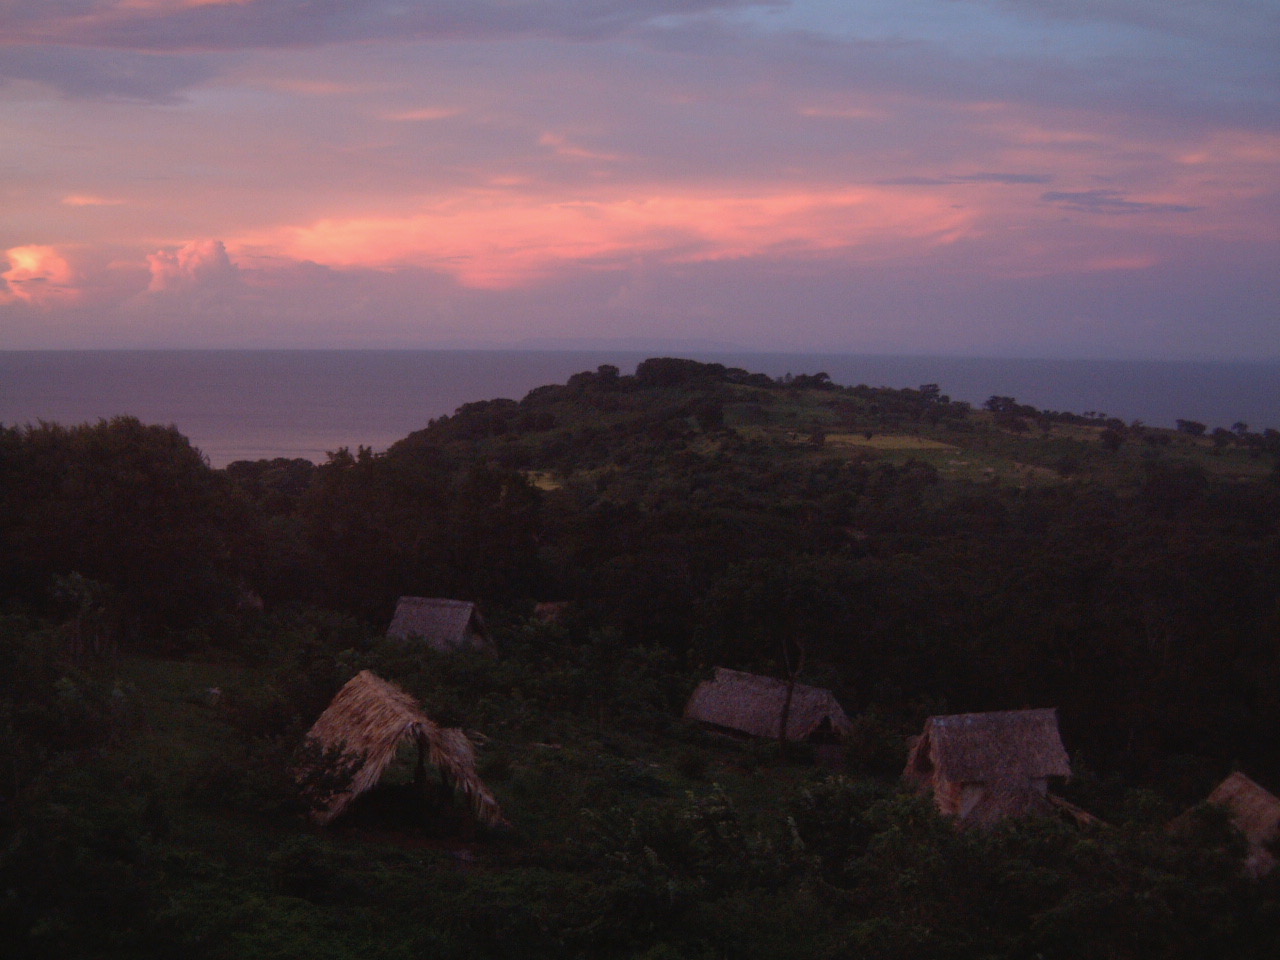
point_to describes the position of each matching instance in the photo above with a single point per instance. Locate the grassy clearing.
(887, 441)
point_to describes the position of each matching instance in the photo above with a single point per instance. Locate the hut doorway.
(413, 795)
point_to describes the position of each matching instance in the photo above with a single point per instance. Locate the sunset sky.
(1057, 178)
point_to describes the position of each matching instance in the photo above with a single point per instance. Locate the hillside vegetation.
(170, 632)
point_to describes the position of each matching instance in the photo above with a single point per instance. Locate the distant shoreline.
(250, 404)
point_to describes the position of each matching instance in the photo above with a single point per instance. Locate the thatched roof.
(357, 736)
(1001, 799)
(1012, 746)
(1255, 811)
(753, 705)
(444, 625)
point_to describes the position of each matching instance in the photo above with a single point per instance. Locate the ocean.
(245, 405)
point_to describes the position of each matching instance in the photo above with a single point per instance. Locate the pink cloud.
(89, 200)
(421, 115)
(169, 6)
(198, 265)
(497, 241)
(71, 276)
(41, 276)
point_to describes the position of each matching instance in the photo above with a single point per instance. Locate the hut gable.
(751, 704)
(982, 767)
(1255, 811)
(444, 625)
(356, 738)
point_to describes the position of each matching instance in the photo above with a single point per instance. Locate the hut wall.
(949, 797)
(970, 795)
(1258, 863)
(1002, 798)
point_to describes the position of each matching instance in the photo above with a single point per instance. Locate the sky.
(1038, 178)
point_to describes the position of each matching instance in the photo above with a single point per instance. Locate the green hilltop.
(169, 632)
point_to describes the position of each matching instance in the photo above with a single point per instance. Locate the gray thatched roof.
(1255, 811)
(753, 705)
(1012, 746)
(357, 736)
(443, 625)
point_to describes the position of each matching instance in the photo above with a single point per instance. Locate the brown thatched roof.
(1012, 746)
(1255, 811)
(443, 625)
(1001, 799)
(753, 705)
(360, 731)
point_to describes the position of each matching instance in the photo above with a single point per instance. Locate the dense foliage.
(172, 630)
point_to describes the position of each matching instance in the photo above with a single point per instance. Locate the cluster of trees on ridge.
(933, 557)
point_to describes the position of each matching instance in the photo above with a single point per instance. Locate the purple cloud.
(1236, 23)
(1012, 179)
(104, 74)
(1110, 202)
(232, 25)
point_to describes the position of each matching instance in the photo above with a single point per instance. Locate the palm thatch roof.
(356, 738)
(1000, 799)
(444, 625)
(1011, 746)
(753, 705)
(1255, 811)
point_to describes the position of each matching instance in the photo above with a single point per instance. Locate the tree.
(998, 404)
(133, 507)
(1112, 439)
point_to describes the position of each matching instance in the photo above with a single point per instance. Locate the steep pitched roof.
(360, 732)
(753, 704)
(443, 624)
(1255, 811)
(1010, 745)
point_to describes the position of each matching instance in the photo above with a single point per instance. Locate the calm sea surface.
(237, 405)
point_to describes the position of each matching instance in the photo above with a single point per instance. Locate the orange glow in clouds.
(88, 200)
(40, 276)
(494, 240)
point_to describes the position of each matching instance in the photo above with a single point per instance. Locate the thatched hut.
(745, 703)
(356, 738)
(983, 767)
(444, 625)
(1255, 812)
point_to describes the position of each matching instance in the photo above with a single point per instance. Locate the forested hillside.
(170, 632)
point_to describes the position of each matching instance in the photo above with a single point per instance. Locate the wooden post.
(420, 770)
(791, 685)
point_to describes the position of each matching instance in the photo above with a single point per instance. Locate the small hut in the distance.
(983, 767)
(356, 738)
(1255, 812)
(752, 705)
(444, 625)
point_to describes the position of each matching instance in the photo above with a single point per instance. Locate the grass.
(887, 441)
